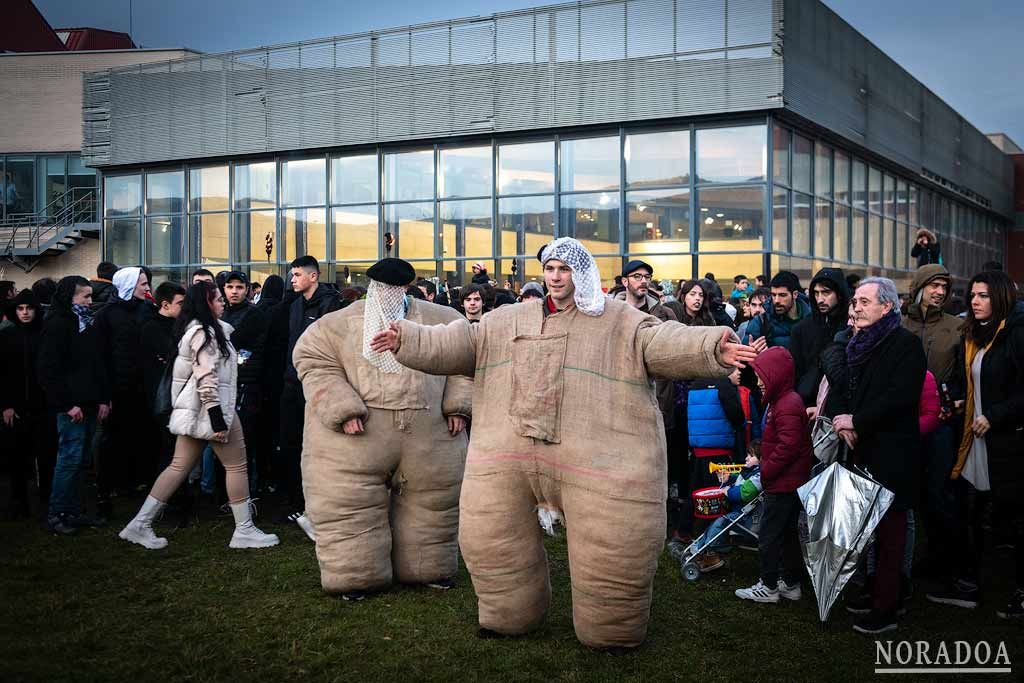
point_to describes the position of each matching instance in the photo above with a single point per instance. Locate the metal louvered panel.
(837, 79)
(581, 63)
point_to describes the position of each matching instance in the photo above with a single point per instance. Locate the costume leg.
(425, 498)
(501, 543)
(344, 481)
(614, 546)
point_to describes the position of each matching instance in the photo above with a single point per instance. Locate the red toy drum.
(710, 503)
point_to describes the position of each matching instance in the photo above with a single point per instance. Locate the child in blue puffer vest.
(722, 420)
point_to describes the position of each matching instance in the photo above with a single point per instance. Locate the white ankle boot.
(246, 534)
(140, 529)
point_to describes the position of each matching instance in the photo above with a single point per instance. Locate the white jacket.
(203, 377)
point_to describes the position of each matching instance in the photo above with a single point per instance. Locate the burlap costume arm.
(458, 397)
(324, 381)
(674, 351)
(440, 350)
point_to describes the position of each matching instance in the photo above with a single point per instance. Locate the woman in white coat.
(203, 400)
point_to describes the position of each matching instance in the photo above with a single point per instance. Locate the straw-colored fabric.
(384, 503)
(565, 416)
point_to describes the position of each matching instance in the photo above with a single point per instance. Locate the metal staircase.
(27, 237)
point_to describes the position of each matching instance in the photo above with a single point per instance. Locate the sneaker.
(1014, 608)
(875, 623)
(304, 523)
(354, 596)
(444, 584)
(759, 593)
(58, 524)
(858, 603)
(960, 594)
(709, 562)
(790, 592)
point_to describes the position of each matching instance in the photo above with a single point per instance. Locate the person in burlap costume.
(565, 421)
(384, 446)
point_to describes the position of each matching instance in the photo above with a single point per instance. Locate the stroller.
(710, 504)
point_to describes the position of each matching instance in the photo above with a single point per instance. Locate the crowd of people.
(198, 391)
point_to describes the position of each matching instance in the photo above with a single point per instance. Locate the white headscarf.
(125, 280)
(585, 276)
(385, 304)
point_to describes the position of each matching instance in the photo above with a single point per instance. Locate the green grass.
(96, 608)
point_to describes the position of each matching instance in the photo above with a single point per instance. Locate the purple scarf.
(865, 341)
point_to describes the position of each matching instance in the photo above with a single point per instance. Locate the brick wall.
(81, 259)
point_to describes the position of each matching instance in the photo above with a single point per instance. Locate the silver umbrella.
(843, 508)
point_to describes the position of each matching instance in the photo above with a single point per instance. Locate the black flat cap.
(634, 266)
(392, 271)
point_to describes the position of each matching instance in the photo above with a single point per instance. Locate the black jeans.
(293, 410)
(779, 539)
(31, 443)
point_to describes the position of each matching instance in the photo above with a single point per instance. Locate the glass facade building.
(480, 140)
(32, 183)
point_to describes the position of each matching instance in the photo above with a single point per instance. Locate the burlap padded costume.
(384, 503)
(564, 415)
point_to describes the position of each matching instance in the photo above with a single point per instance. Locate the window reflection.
(354, 179)
(304, 182)
(841, 234)
(165, 240)
(589, 164)
(859, 181)
(858, 236)
(527, 224)
(801, 234)
(730, 219)
(411, 226)
(209, 238)
(256, 186)
(123, 240)
(593, 219)
(780, 220)
(780, 154)
(208, 189)
(122, 196)
(305, 232)
(875, 190)
(526, 168)
(658, 158)
(803, 163)
(355, 232)
(889, 195)
(658, 221)
(409, 175)
(466, 229)
(822, 170)
(823, 229)
(731, 155)
(465, 172)
(254, 231)
(842, 179)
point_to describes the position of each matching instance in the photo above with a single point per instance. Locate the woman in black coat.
(990, 462)
(27, 427)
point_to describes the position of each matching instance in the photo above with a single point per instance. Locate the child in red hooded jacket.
(785, 466)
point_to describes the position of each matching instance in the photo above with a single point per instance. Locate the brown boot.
(709, 562)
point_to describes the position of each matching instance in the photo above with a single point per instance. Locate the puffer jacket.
(939, 332)
(203, 378)
(786, 442)
(926, 255)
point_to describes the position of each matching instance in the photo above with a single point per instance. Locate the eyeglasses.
(639, 277)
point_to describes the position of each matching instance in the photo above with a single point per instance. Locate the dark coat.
(786, 441)
(884, 397)
(926, 255)
(103, 292)
(70, 364)
(119, 325)
(812, 334)
(832, 364)
(777, 330)
(252, 324)
(19, 380)
(275, 352)
(303, 313)
(1002, 388)
(158, 349)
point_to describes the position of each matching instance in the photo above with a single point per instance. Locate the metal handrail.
(76, 205)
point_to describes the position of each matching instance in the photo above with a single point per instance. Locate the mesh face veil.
(585, 276)
(385, 304)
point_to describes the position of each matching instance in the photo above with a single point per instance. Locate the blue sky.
(966, 51)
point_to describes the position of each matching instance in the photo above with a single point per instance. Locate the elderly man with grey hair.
(886, 372)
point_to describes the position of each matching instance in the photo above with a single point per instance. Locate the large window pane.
(842, 177)
(914, 204)
(780, 154)
(466, 230)
(527, 224)
(889, 195)
(658, 158)
(902, 196)
(208, 188)
(465, 172)
(52, 183)
(354, 179)
(822, 170)
(889, 243)
(305, 232)
(590, 164)
(165, 240)
(658, 221)
(165, 192)
(859, 181)
(592, 219)
(304, 182)
(801, 245)
(526, 168)
(411, 226)
(122, 196)
(731, 155)
(209, 238)
(355, 233)
(162, 275)
(731, 219)
(18, 193)
(875, 240)
(256, 185)
(253, 232)
(803, 163)
(671, 268)
(875, 190)
(725, 265)
(780, 220)
(858, 236)
(822, 229)
(841, 234)
(123, 239)
(409, 175)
